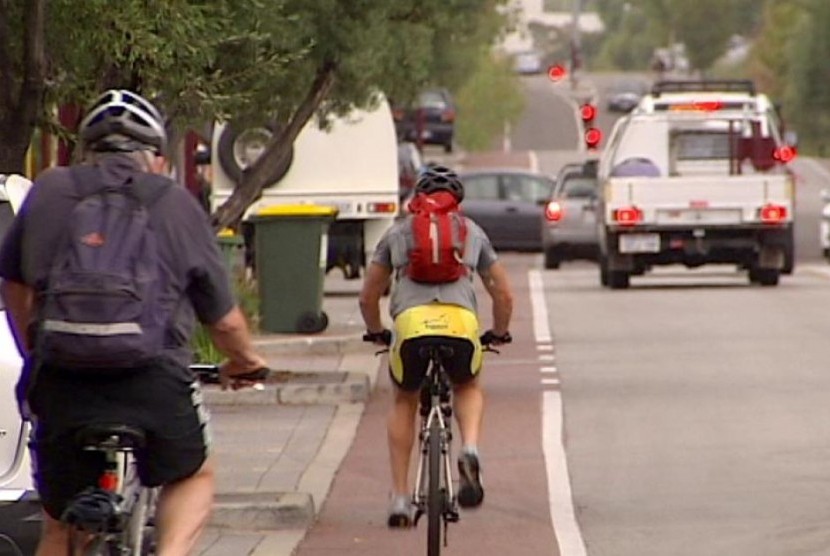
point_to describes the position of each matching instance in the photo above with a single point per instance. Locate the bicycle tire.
(435, 496)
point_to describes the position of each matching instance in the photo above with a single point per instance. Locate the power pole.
(576, 43)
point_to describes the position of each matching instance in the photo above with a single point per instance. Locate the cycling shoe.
(400, 513)
(471, 491)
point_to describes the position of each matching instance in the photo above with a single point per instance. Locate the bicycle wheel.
(435, 496)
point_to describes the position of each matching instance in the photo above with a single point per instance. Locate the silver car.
(569, 223)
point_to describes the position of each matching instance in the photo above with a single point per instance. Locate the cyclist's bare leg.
(54, 537)
(183, 510)
(469, 409)
(400, 427)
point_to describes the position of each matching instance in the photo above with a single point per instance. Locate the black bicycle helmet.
(121, 120)
(440, 178)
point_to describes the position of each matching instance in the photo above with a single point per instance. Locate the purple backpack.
(101, 307)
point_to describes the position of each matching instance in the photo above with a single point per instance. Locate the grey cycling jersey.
(392, 251)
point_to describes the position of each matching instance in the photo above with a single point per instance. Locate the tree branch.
(255, 178)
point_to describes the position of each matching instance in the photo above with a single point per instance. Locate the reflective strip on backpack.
(91, 329)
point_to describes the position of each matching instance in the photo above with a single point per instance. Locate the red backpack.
(439, 231)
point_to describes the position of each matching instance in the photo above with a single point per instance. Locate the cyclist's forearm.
(502, 312)
(232, 337)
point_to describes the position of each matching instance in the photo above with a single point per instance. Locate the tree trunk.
(18, 112)
(254, 178)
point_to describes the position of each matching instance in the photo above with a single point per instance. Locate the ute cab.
(15, 474)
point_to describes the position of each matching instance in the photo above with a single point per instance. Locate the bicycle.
(434, 495)
(116, 516)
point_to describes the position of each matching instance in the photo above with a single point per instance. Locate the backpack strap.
(146, 188)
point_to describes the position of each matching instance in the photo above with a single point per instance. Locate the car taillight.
(773, 214)
(382, 207)
(784, 154)
(553, 211)
(628, 215)
(448, 116)
(397, 114)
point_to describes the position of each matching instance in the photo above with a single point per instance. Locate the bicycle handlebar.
(209, 373)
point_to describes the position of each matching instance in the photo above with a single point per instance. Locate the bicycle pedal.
(452, 516)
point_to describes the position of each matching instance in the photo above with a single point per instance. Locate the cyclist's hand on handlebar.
(382, 338)
(236, 375)
(490, 338)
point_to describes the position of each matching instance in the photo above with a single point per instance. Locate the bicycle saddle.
(117, 437)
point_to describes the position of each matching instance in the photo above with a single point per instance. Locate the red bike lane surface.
(515, 516)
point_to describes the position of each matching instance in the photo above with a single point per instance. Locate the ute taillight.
(773, 214)
(784, 154)
(628, 215)
(382, 207)
(553, 211)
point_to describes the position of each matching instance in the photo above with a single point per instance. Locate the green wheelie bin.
(232, 247)
(290, 253)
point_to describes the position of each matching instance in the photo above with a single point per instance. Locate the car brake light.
(628, 215)
(773, 214)
(553, 211)
(448, 116)
(382, 207)
(784, 154)
(397, 114)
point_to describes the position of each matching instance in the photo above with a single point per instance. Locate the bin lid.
(297, 210)
(225, 232)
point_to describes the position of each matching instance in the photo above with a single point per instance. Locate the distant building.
(530, 12)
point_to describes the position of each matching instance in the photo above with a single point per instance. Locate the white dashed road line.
(560, 497)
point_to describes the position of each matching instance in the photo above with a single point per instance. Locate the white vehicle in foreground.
(695, 185)
(353, 167)
(15, 473)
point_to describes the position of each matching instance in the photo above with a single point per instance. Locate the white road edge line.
(560, 498)
(550, 381)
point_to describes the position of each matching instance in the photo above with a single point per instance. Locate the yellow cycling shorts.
(434, 323)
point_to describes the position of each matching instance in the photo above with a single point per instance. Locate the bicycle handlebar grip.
(490, 338)
(384, 336)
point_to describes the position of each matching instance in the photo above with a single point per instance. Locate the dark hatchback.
(508, 204)
(430, 120)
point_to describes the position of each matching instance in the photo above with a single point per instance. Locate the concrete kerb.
(268, 511)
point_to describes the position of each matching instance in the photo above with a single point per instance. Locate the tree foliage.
(247, 60)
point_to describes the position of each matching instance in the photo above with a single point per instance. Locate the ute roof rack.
(729, 85)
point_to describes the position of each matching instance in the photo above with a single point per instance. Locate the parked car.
(15, 474)
(569, 229)
(508, 204)
(430, 119)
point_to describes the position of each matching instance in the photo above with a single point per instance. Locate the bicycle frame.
(434, 472)
(124, 530)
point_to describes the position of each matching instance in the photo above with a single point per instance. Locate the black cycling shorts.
(163, 400)
(415, 363)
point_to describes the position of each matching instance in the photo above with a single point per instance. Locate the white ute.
(352, 167)
(695, 184)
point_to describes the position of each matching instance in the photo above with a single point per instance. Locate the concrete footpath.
(277, 449)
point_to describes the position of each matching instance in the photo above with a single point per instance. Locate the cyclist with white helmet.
(124, 141)
(423, 313)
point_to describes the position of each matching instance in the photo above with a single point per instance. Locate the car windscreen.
(6, 218)
(578, 188)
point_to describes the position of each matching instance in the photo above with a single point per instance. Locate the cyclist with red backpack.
(433, 255)
(105, 270)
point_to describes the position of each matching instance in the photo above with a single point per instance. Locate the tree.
(245, 60)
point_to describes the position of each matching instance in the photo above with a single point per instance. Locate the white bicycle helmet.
(121, 120)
